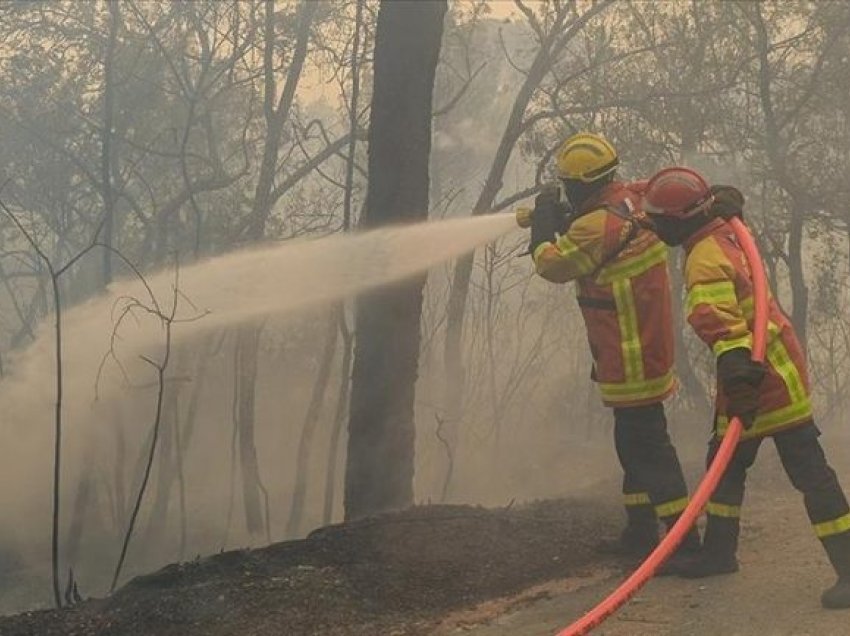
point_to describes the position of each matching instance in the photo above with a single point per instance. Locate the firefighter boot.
(688, 551)
(718, 552)
(638, 538)
(838, 549)
(638, 541)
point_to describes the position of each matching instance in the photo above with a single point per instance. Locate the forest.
(165, 394)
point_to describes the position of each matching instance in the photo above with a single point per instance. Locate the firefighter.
(587, 230)
(772, 399)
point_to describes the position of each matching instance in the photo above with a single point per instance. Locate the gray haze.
(148, 127)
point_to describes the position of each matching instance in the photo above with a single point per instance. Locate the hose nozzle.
(524, 217)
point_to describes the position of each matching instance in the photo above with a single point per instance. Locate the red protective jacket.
(623, 289)
(720, 308)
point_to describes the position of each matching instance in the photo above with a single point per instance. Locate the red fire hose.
(674, 537)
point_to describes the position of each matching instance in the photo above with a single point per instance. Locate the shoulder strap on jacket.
(625, 211)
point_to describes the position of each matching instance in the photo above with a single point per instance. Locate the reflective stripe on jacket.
(623, 290)
(720, 309)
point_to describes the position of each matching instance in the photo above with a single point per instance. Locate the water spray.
(676, 534)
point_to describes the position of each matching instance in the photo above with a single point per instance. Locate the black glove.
(548, 218)
(740, 378)
(728, 202)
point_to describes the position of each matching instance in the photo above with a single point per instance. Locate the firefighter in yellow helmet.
(587, 229)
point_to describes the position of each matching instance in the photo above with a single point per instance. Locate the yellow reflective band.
(779, 359)
(539, 250)
(722, 346)
(772, 331)
(569, 250)
(670, 508)
(723, 510)
(711, 294)
(830, 528)
(632, 267)
(642, 390)
(636, 499)
(748, 306)
(765, 422)
(629, 330)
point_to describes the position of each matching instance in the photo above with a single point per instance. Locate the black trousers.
(653, 484)
(805, 464)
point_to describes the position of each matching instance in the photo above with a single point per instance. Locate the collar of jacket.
(700, 234)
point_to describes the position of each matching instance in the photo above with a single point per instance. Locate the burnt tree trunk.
(379, 470)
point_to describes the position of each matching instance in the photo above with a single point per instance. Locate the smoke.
(730, 171)
(114, 395)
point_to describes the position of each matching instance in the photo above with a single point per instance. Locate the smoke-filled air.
(367, 317)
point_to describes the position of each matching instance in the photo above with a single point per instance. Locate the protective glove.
(728, 202)
(740, 379)
(548, 218)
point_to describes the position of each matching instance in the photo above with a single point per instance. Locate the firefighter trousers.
(653, 484)
(805, 464)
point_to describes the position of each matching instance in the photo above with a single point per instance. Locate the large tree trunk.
(379, 470)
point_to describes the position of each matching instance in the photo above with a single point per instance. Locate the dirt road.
(776, 593)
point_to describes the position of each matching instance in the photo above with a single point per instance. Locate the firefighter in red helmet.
(772, 399)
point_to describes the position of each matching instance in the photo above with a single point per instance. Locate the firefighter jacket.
(623, 290)
(720, 308)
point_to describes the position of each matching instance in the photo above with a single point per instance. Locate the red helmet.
(638, 186)
(678, 193)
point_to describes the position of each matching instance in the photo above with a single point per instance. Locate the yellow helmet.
(586, 157)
